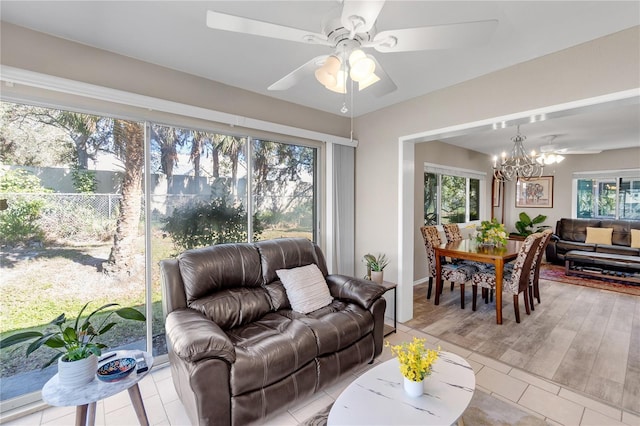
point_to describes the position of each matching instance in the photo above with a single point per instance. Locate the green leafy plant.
(375, 263)
(72, 342)
(84, 180)
(19, 223)
(526, 225)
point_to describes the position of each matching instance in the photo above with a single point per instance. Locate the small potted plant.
(416, 363)
(77, 351)
(375, 266)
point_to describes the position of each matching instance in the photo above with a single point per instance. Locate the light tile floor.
(540, 397)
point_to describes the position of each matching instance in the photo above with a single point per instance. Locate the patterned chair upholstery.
(452, 232)
(456, 273)
(516, 279)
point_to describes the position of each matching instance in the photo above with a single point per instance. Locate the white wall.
(607, 65)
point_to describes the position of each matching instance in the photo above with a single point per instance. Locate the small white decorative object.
(413, 389)
(77, 373)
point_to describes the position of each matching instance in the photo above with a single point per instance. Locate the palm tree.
(128, 138)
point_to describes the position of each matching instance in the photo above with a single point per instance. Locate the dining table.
(470, 249)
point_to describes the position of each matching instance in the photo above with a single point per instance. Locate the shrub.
(19, 222)
(84, 180)
(203, 224)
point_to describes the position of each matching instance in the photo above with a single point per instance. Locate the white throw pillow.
(306, 288)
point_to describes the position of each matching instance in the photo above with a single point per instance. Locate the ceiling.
(173, 34)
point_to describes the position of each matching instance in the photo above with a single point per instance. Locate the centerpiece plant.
(416, 362)
(491, 233)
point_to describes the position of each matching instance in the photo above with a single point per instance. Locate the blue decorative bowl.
(116, 370)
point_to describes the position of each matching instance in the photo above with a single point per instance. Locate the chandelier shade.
(518, 164)
(327, 74)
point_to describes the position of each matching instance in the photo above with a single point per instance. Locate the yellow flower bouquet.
(415, 360)
(492, 233)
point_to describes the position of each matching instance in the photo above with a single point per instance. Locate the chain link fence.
(70, 216)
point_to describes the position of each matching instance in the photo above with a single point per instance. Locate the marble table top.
(55, 394)
(378, 397)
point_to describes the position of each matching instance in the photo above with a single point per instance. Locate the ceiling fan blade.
(359, 16)
(295, 76)
(464, 34)
(385, 85)
(238, 24)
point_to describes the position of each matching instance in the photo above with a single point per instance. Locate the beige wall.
(38, 52)
(607, 65)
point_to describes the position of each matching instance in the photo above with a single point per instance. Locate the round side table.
(85, 397)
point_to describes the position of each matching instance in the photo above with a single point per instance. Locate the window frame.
(442, 170)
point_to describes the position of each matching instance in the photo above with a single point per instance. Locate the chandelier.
(518, 164)
(359, 66)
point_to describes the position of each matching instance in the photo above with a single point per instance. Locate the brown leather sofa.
(571, 235)
(237, 350)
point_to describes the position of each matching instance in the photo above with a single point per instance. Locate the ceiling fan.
(552, 153)
(349, 29)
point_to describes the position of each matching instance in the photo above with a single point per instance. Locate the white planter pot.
(77, 373)
(377, 276)
(413, 389)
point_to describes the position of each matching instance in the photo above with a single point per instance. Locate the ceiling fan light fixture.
(361, 65)
(363, 84)
(339, 86)
(327, 74)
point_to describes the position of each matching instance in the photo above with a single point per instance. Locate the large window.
(95, 202)
(612, 197)
(451, 196)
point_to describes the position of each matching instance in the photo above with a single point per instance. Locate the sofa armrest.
(362, 292)
(193, 337)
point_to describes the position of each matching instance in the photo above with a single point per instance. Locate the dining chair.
(452, 232)
(455, 273)
(534, 289)
(515, 280)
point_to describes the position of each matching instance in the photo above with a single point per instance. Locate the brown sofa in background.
(237, 350)
(618, 259)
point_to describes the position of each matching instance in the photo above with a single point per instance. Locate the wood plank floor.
(583, 338)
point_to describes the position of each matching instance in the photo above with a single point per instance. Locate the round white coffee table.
(85, 397)
(378, 398)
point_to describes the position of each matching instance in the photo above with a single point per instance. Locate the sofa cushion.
(210, 269)
(306, 288)
(635, 238)
(339, 325)
(598, 235)
(268, 350)
(613, 249)
(233, 307)
(284, 253)
(564, 246)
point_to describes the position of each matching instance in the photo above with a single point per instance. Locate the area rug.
(556, 273)
(483, 410)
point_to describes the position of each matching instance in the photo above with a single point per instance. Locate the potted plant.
(416, 363)
(77, 351)
(526, 225)
(375, 266)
